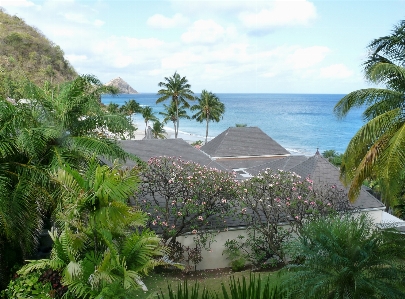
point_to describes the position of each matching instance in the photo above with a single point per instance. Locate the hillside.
(122, 86)
(26, 53)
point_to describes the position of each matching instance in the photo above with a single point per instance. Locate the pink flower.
(194, 231)
(224, 200)
(200, 218)
(179, 213)
(297, 217)
(154, 222)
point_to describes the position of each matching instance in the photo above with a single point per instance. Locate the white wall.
(214, 259)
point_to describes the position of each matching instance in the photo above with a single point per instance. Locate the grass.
(211, 279)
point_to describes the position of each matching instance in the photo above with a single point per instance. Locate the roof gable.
(243, 142)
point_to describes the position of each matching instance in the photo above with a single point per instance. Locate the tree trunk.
(206, 130)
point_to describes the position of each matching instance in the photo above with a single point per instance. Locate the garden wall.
(214, 259)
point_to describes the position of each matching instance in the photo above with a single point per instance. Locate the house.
(247, 151)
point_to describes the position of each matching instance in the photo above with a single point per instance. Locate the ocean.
(301, 123)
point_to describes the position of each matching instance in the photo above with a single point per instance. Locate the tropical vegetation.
(209, 108)
(100, 248)
(377, 150)
(158, 130)
(49, 129)
(26, 54)
(173, 113)
(346, 256)
(148, 115)
(177, 90)
(271, 198)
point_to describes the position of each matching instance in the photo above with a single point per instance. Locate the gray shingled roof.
(145, 149)
(322, 172)
(243, 142)
(285, 163)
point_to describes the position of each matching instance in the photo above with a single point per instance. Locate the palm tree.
(158, 131)
(172, 113)
(377, 149)
(346, 257)
(55, 128)
(209, 108)
(99, 244)
(130, 108)
(178, 90)
(148, 115)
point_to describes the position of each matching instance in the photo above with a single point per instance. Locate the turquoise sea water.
(299, 122)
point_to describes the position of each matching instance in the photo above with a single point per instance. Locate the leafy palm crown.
(377, 149)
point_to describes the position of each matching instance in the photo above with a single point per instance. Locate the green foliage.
(238, 289)
(172, 113)
(185, 197)
(27, 54)
(158, 130)
(197, 143)
(346, 256)
(29, 286)
(377, 149)
(177, 89)
(56, 127)
(240, 125)
(148, 115)
(184, 293)
(100, 247)
(234, 254)
(275, 197)
(209, 108)
(333, 157)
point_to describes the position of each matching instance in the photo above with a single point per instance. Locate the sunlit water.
(299, 122)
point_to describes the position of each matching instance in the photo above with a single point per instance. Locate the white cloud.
(16, 3)
(161, 22)
(280, 13)
(82, 19)
(338, 71)
(307, 57)
(206, 32)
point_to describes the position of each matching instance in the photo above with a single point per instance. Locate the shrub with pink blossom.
(186, 198)
(274, 205)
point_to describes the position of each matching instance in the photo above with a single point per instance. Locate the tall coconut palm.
(209, 108)
(171, 113)
(178, 90)
(148, 115)
(346, 257)
(378, 148)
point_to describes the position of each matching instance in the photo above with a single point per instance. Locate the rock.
(122, 86)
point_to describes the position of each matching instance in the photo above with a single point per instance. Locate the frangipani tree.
(274, 206)
(184, 197)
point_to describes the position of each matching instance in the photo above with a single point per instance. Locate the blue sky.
(278, 46)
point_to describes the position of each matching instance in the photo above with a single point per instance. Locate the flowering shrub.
(185, 197)
(274, 198)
